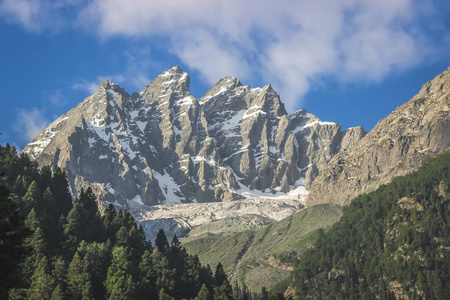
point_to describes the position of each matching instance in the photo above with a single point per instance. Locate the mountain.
(396, 146)
(164, 146)
(423, 120)
(392, 243)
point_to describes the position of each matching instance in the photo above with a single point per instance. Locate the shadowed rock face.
(164, 146)
(397, 145)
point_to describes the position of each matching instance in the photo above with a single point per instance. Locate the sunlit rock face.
(163, 146)
(397, 145)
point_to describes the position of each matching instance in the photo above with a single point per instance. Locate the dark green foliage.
(58, 294)
(78, 277)
(13, 233)
(119, 283)
(203, 294)
(74, 253)
(390, 243)
(42, 283)
(161, 241)
(223, 289)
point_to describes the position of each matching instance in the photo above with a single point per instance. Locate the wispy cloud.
(40, 15)
(29, 123)
(86, 85)
(57, 98)
(292, 43)
(134, 74)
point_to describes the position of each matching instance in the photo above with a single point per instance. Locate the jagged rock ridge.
(397, 145)
(164, 146)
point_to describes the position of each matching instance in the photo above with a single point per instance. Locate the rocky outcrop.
(164, 146)
(397, 145)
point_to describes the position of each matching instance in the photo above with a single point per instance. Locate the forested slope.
(391, 243)
(53, 249)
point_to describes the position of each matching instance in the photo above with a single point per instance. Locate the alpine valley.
(232, 174)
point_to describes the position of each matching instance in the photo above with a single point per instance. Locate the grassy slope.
(265, 256)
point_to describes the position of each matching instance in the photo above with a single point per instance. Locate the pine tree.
(60, 275)
(90, 216)
(161, 241)
(108, 222)
(220, 275)
(73, 229)
(223, 289)
(31, 198)
(78, 277)
(13, 232)
(87, 292)
(32, 221)
(19, 189)
(42, 283)
(122, 237)
(147, 277)
(203, 294)
(60, 191)
(96, 257)
(117, 280)
(38, 249)
(58, 294)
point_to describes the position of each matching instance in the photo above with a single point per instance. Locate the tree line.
(56, 248)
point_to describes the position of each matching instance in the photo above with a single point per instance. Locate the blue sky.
(347, 61)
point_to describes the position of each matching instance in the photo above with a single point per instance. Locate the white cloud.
(87, 86)
(39, 15)
(290, 43)
(202, 51)
(57, 98)
(135, 75)
(30, 123)
(21, 11)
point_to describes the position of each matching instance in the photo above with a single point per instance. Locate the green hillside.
(265, 256)
(391, 243)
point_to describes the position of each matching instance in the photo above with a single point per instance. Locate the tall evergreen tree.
(96, 257)
(161, 241)
(108, 223)
(203, 294)
(60, 276)
(32, 197)
(58, 294)
(73, 229)
(60, 191)
(147, 275)
(13, 233)
(223, 289)
(78, 277)
(42, 283)
(118, 275)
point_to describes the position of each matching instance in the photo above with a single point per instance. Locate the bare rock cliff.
(164, 146)
(397, 145)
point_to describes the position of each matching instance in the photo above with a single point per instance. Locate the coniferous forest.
(393, 243)
(53, 248)
(389, 244)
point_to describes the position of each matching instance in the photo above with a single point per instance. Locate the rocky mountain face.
(397, 145)
(164, 146)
